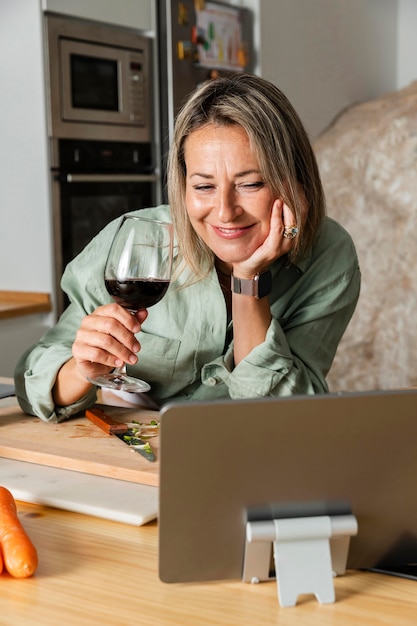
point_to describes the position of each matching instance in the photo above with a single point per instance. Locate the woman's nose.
(228, 207)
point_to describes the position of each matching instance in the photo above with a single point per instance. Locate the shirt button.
(212, 382)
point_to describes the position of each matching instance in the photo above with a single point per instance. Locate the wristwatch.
(259, 286)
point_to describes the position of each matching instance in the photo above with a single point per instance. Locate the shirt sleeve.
(35, 377)
(37, 369)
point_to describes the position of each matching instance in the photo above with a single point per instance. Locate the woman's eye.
(249, 186)
(204, 187)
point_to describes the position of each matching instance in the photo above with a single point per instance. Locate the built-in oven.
(93, 183)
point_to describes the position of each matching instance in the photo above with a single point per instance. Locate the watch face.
(264, 283)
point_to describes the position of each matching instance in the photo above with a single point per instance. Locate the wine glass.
(137, 276)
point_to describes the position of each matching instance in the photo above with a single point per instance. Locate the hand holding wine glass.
(137, 275)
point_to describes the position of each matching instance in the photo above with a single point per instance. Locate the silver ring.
(290, 232)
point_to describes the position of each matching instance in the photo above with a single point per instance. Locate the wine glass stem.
(119, 372)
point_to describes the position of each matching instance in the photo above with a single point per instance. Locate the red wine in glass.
(137, 276)
(135, 294)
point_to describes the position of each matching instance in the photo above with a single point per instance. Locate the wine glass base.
(121, 382)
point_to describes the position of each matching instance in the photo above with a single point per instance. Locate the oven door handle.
(109, 178)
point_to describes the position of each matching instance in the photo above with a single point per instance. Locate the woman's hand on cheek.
(274, 246)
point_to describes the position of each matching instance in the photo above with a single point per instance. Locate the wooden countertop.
(17, 303)
(96, 572)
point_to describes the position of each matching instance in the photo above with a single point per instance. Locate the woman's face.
(228, 202)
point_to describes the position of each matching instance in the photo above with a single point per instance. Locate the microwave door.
(96, 85)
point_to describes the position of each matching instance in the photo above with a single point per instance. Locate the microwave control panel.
(137, 89)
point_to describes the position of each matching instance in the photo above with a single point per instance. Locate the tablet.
(225, 463)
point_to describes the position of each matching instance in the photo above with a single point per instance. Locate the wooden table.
(97, 572)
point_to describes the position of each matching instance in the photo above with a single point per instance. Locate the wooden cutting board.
(77, 444)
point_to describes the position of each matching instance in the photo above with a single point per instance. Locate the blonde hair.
(277, 137)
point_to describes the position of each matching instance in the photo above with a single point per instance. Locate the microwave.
(99, 81)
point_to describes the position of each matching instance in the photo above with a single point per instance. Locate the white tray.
(104, 497)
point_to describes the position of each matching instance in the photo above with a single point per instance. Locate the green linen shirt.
(186, 342)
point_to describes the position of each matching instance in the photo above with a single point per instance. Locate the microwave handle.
(109, 178)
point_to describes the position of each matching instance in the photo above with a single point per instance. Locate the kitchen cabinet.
(22, 322)
(138, 14)
(16, 335)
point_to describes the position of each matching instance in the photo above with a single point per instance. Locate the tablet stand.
(308, 552)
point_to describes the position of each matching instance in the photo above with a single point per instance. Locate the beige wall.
(326, 54)
(407, 43)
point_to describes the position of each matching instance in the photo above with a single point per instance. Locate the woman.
(264, 287)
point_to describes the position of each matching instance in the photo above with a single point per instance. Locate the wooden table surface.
(97, 572)
(17, 303)
(93, 571)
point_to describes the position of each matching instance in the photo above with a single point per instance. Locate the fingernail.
(133, 359)
(118, 363)
(136, 347)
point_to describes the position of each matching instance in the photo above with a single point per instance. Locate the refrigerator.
(197, 40)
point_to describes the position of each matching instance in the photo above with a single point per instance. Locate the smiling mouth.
(231, 232)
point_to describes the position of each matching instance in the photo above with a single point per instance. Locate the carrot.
(18, 554)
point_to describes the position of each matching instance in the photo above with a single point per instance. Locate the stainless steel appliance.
(100, 117)
(99, 80)
(93, 183)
